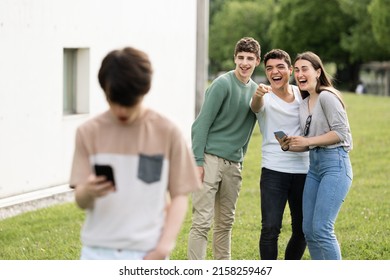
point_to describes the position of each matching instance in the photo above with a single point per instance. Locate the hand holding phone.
(105, 170)
(280, 134)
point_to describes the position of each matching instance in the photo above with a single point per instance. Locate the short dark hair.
(248, 44)
(125, 75)
(277, 54)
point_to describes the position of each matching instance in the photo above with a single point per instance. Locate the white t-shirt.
(276, 114)
(150, 158)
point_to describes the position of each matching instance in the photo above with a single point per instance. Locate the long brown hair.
(324, 82)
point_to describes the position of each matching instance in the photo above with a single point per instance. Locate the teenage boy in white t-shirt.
(283, 174)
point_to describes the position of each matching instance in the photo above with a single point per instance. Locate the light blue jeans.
(327, 184)
(100, 253)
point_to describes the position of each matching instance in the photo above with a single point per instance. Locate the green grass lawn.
(362, 228)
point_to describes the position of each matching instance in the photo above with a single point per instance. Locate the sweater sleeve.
(335, 114)
(214, 98)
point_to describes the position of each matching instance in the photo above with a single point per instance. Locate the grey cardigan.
(328, 115)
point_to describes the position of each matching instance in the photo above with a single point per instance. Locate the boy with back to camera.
(133, 218)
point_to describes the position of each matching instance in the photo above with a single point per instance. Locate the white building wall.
(36, 139)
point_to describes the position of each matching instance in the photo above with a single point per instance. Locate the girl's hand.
(298, 141)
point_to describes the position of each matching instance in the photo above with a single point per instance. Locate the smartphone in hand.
(280, 134)
(105, 170)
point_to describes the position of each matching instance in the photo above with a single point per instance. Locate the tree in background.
(380, 14)
(234, 20)
(303, 25)
(317, 26)
(358, 39)
(344, 32)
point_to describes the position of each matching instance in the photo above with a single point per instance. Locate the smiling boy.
(220, 137)
(283, 173)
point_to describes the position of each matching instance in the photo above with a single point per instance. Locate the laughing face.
(246, 63)
(278, 73)
(305, 75)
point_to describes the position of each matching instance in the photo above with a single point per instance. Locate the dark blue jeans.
(276, 189)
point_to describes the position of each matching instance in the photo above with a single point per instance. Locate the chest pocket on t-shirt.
(150, 168)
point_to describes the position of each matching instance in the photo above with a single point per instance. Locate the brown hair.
(324, 82)
(125, 75)
(277, 54)
(248, 44)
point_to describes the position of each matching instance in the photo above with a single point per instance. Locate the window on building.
(76, 81)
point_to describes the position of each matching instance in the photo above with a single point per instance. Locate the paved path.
(13, 210)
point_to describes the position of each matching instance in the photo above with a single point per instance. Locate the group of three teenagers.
(309, 168)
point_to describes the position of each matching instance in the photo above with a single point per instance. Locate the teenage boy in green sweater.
(220, 137)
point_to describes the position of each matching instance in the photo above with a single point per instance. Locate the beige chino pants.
(217, 200)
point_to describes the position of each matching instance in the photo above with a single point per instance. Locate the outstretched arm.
(257, 99)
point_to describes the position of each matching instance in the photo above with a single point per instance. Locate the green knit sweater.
(225, 122)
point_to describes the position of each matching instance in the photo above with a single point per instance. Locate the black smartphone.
(105, 170)
(280, 134)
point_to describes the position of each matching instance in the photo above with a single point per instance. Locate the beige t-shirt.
(149, 157)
